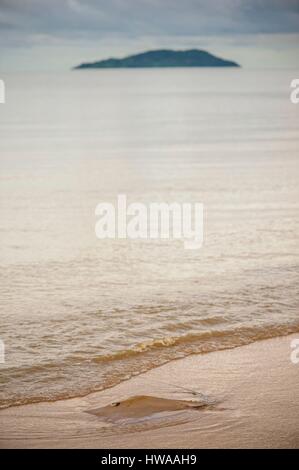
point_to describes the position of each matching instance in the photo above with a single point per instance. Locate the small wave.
(234, 337)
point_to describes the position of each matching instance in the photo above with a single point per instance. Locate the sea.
(79, 313)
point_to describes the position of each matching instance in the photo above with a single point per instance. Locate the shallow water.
(80, 314)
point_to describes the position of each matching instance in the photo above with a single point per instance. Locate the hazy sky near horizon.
(57, 34)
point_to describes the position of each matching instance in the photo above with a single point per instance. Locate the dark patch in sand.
(150, 411)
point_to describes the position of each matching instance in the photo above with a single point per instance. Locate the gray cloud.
(38, 23)
(151, 16)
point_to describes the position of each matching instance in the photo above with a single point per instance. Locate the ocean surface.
(79, 314)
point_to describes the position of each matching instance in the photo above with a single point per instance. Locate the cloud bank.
(29, 26)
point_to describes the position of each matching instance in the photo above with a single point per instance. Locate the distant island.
(162, 58)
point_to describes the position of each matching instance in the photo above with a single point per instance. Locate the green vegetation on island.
(162, 58)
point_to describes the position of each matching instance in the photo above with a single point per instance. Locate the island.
(162, 58)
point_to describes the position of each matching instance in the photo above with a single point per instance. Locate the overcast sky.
(57, 34)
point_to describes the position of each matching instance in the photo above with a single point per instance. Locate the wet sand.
(243, 397)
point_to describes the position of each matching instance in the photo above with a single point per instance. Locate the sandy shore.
(244, 397)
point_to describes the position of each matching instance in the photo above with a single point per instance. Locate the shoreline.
(204, 349)
(240, 397)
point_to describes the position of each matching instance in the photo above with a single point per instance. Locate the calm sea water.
(80, 314)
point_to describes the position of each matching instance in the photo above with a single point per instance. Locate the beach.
(237, 398)
(149, 221)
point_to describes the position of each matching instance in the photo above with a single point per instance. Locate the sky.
(52, 35)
